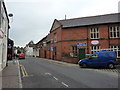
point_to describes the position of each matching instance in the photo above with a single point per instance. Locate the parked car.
(100, 59)
(21, 56)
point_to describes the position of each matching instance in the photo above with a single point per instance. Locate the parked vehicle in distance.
(21, 56)
(100, 59)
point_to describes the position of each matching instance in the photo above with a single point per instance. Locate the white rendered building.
(4, 31)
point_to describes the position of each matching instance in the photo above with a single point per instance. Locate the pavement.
(10, 76)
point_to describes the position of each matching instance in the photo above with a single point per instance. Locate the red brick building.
(73, 39)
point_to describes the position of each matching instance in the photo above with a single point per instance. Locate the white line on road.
(48, 74)
(65, 84)
(20, 81)
(55, 78)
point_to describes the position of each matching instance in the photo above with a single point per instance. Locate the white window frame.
(115, 48)
(95, 49)
(74, 51)
(94, 32)
(55, 37)
(114, 31)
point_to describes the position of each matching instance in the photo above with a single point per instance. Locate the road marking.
(24, 72)
(48, 74)
(65, 84)
(55, 78)
(20, 81)
(105, 70)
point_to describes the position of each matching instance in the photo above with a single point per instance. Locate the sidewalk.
(11, 75)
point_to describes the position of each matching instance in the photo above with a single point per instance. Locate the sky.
(32, 19)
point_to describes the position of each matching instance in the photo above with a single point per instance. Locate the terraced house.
(74, 39)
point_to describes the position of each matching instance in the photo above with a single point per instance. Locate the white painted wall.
(3, 38)
(36, 52)
(29, 51)
(119, 6)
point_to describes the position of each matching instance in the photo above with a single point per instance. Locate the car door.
(102, 61)
(93, 60)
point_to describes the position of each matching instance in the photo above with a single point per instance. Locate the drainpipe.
(108, 37)
(87, 42)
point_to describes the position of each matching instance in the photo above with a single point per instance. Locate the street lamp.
(11, 16)
(119, 11)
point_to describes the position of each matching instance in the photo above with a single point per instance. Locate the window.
(94, 33)
(114, 32)
(55, 37)
(117, 49)
(94, 56)
(95, 49)
(74, 50)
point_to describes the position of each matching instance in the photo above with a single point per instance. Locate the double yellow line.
(23, 70)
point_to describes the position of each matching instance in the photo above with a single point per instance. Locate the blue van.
(100, 59)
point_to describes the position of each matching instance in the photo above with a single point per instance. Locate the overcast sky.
(32, 19)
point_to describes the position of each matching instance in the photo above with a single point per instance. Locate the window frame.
(74, 51)
(95, 49)
(114, 31)
(55, 37)
(94, 56)
(94, 33)
(117, 49)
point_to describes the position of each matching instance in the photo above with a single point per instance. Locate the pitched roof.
(93, 20)
(44, 38)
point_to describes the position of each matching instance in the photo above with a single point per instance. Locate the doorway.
(81, 53)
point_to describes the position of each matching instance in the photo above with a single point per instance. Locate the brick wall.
(66, 38)
(74, 33)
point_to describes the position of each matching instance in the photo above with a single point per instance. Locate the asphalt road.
(42, 73)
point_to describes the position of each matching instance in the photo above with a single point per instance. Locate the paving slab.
(10, 76)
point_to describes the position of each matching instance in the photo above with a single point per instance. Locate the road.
(43, 73)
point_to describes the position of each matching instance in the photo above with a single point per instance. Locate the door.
(81, 53)
(44, 53)
(54, 53)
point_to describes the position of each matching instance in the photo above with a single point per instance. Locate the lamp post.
(11, 46)
(11, 16)
(119, 11)
(119, 7)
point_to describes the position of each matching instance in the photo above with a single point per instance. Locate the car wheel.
(84, 65)
(111, 66)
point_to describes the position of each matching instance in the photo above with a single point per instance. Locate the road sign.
(81, 44)
(52, 48)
